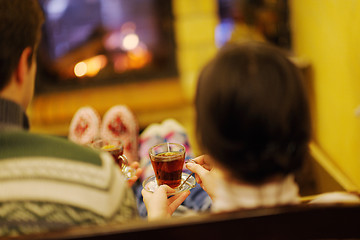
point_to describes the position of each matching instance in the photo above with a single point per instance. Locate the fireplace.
(89, 43)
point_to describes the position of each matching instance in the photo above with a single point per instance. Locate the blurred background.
(147, 54)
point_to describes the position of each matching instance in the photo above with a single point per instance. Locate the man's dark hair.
(252, 112)
(20, 27)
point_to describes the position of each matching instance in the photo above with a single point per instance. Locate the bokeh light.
(80, 69)
(130, 41)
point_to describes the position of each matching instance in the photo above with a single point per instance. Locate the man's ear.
(23, 65)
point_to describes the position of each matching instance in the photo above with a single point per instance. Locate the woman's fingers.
(138, 172)
(202, 160)
(197, 169)
(176, 200)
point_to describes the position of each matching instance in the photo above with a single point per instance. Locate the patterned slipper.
(84, 126)
(120, 123)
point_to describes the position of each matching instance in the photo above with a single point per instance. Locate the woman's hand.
(158, 204)
(138, 172)
(204, 174)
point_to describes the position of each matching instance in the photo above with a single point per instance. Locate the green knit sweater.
(48, 183)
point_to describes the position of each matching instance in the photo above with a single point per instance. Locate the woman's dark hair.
(20, 27)
(252, 112)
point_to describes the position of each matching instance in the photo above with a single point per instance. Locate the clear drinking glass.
(116, 149)
(167, 160)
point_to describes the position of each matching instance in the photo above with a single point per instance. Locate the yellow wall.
(195, 23)
(327, 34)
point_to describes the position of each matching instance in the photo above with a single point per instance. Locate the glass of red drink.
(167, 160)
(116, 149)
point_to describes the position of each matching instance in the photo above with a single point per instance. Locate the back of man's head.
(20, 27)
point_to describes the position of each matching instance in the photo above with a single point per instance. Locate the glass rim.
(182, 149)
(108, 142)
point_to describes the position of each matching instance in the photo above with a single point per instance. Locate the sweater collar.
(244, 196)
(12, 116)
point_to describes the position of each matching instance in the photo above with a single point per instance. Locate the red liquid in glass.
(168, 168)
(116, 152)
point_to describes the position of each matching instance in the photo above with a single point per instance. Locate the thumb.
(197, 169)
(146, 197)
(165, 189)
